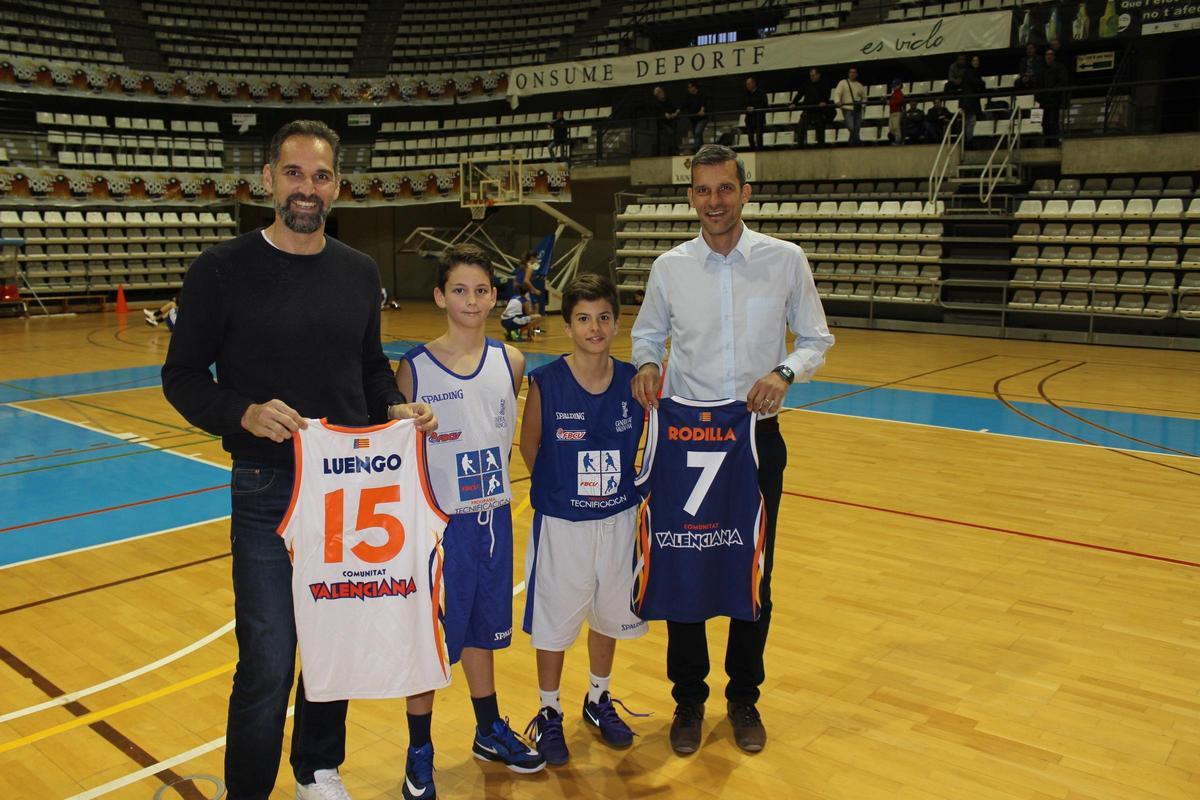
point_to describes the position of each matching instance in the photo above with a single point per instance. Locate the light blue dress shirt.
(727, 316)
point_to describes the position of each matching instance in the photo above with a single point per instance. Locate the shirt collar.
(744, 244)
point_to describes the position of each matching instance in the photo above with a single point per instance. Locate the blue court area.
(63, 487)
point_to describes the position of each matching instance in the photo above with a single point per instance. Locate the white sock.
(550, 699)
(597, 686)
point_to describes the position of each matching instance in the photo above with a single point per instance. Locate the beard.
(303, 222)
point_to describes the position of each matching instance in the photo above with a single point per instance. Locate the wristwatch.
(785, 372)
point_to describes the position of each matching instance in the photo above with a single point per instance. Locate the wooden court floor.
(958, 614)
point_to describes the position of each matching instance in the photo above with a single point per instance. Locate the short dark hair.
(455, 255)
(306, 127)
(589, 286)
(711, 154)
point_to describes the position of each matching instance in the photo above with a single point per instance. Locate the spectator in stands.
(954, 79)
(695, 105)
(666, 114)
(850, 96)
(896, 111)
(560, 146)
(290, 317)
(915, 126)
(1030, 68)
(1051, 96)
(938, 117)
(971, 103)
(815, 109)
(756, 115)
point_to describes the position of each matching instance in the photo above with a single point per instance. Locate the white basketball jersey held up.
(477, 413)
(365, 536)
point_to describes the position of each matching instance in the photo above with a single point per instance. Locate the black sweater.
(300, 328)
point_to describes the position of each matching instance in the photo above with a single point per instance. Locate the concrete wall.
(1172, 152)
(826, 164)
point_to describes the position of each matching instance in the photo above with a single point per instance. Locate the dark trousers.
(814, 119)
(266, 636)
(755, 124)
(1051, 112)
(687, 642)
(666, 138)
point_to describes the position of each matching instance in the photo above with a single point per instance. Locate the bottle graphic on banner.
(1053, 27)
(1081, 26)
(1108, 20)
(1026, 28)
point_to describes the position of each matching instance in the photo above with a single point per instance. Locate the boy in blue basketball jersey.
(472, 382)
(579, 438)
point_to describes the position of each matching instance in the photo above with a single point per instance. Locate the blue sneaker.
(502, 745)
(546, 733)
(418, 773)
(603, 716)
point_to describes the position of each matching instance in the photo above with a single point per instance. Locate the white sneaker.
(326, 785)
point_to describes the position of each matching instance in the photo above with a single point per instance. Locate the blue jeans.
(698, 126)
(266, 636)
(853, 121)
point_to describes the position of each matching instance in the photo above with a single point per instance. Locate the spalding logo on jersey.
(480, 473)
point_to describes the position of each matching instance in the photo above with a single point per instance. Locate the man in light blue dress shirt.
(725, 301)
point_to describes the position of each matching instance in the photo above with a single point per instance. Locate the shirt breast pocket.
(764, 319)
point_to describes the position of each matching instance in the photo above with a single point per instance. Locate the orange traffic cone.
(122, 307)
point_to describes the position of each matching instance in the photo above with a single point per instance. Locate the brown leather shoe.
(686, 728)
(748, 730)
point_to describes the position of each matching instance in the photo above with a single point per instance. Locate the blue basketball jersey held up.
(584, 467)
(702, 524)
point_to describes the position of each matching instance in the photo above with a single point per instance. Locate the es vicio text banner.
(965, 32)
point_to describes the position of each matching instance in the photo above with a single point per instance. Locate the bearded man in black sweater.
(290, 318)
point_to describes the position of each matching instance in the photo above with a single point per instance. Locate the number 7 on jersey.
(709, 463)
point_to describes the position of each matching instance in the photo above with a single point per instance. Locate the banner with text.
(969, 32)
(1086, 21)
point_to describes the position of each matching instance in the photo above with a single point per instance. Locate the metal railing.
(951, 149)
(1009, 141)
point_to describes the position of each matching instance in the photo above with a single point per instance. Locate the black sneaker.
(603, 717)
(546, 732)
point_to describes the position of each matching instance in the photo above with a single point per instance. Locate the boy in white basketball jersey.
(579, 437)
(471, 382)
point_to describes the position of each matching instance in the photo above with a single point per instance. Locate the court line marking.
(989, 433)
(71, 697)
(1041, 387)
(106, 509)
(97, 716)
(96, 587)
(93, 429)
(207, 747)
(1140, 455)
(154, 769)
(994, 529)
(49, 556)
